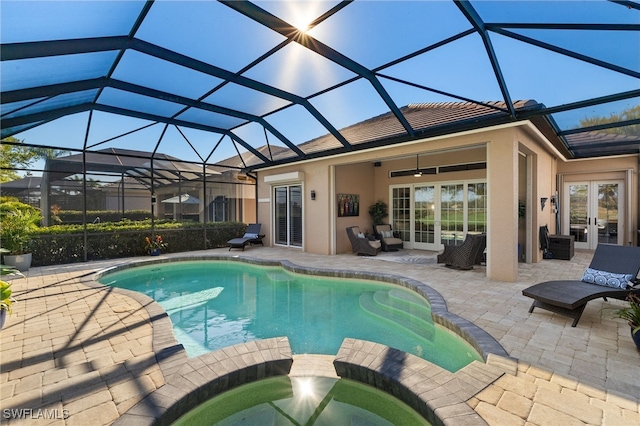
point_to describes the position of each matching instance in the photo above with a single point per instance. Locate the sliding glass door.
(288, 215)
(428, 216)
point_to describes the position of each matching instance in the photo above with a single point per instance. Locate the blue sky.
(372, 33)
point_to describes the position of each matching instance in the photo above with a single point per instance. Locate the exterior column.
(45, 200)
(502, 216)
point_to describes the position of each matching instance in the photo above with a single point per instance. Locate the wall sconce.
(543, 201)
(313, 195)
(418, 172)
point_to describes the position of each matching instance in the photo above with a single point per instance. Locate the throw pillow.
(387, 234)
(360, 235)
(607, 279)
(250, 235)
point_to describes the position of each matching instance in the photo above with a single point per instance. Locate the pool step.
(404, 301)
(398, 311)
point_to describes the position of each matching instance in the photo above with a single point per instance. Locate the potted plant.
(17, 225)
(5, 301)
(155, 245)
(378, 211)
(631, 313)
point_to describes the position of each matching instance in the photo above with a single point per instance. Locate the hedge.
(65, 243)
(75, 216)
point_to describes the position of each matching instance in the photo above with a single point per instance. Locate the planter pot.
(22, 262)
(3, 317)
(636, 338)
(155, 252)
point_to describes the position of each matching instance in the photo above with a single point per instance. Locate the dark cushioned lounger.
(252, 236)
(570, 297)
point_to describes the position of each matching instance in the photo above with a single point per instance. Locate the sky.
(371, 33)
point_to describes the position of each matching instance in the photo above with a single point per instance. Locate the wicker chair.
(386, 235)
(466, 255)
(361, 245)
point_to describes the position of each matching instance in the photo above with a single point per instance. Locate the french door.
(288, 215)
(428, 216)
(594, 213)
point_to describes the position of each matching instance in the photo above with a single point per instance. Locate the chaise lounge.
(570, 297)
(250, 237)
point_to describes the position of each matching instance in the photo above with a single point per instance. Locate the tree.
(630, 113)
(13, 157)
(17, 156)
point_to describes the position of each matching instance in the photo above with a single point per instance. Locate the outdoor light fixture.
(418, 172)
(543, 201)
(313, 195)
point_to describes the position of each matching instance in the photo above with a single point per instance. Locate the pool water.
(303, 401)
(215, 304)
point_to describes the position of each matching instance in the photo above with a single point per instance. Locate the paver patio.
(78, 355)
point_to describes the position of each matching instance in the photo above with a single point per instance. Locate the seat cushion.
(383, 228)
(393, 241)
(375, 244)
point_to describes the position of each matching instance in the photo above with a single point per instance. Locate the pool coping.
(172, 357)
(435, 393)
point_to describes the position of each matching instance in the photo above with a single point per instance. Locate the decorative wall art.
(348, 205)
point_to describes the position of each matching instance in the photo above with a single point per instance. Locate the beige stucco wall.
(355, 173)
(357, 179)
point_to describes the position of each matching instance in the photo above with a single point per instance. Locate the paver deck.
(73, 354)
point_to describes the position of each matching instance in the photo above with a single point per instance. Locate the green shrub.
(65, 243)
(17, 222)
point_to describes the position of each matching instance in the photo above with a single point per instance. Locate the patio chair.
(388, 239)
(466, 255)
(361, 244)
(570, 297)
(250, 237)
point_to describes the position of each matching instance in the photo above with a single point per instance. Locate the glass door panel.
(607, 216)
(452, 214)
(477, 208)
(401, 212)
(280, 215)
(424, 215)
(295, 216)
(578, 213)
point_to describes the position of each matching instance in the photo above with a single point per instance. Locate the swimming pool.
(215, 304)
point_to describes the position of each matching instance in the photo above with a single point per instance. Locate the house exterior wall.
(500, 147)
(357, 179)
(542, 184)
